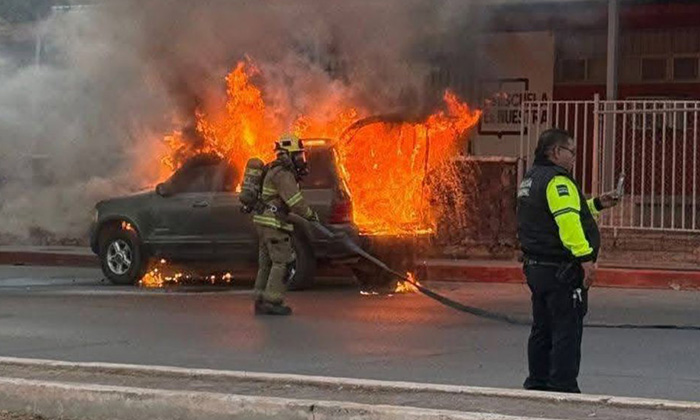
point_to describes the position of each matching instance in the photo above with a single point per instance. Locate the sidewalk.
(488, 271)
(101, 390)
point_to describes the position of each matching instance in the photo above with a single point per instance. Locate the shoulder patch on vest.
(524, 190)
(562, 190)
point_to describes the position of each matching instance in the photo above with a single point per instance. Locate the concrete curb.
(368, 384)
(48, 259)
(97, 402)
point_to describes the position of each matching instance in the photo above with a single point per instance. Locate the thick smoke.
(87, 122)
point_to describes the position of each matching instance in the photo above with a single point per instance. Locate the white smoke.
(115, 78)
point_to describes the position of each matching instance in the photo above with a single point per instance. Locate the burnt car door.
(182, 212)
(234, 235)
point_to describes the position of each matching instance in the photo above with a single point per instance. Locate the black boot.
(268, 308)
(259, 306)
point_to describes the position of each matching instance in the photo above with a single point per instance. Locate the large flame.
(240, 131)
(383, 162)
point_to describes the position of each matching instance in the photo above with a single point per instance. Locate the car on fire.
(195, 216)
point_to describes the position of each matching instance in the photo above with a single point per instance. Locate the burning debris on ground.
(162, 274)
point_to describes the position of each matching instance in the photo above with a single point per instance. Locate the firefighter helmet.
(290, 149)
(289, 143)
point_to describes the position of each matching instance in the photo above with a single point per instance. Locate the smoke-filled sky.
(87, 123)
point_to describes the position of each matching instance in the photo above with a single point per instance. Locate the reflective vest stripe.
(564, 211)
(271, 222)
(295, 199)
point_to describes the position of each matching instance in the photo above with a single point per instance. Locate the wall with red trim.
(586, 92)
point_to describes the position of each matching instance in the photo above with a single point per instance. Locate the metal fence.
(653, 142)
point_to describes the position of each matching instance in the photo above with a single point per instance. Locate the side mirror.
(162, 190)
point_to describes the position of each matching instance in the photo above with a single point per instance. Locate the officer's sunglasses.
(572, 151)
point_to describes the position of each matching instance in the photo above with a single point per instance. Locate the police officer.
(560, 241)
(280, 195)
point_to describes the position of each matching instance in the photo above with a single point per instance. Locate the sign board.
(520, 67)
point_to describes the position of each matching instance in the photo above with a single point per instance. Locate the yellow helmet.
(289, 143)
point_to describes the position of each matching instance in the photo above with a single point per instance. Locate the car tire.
(122, 256)
(305, 264)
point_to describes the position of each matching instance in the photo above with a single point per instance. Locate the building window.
(685, 68)
(573, 70)
(653, 69)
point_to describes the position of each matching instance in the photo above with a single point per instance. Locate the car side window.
(219, 177)
(321, 170)
(224, 178)
(190, 179)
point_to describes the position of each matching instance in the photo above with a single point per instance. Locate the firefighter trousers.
(554, 346)
(275, 252)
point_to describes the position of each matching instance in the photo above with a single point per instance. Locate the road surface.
(72, 314)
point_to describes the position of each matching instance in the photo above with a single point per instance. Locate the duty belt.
(530, 261)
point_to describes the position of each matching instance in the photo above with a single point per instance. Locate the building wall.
(653, 63)
(514, 66)
(659, 55)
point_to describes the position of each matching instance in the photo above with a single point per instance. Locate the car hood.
(137, 196)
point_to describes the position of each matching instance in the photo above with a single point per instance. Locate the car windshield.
(322, 173)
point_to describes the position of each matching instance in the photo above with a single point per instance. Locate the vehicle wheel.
(305, 265)
(122, 256)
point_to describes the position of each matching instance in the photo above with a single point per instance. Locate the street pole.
(611, 95)
(613, 49)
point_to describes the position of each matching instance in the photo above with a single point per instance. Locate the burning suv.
(195, 217)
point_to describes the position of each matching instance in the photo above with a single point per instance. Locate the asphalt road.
(71, 314)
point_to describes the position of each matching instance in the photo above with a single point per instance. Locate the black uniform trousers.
(554, 347)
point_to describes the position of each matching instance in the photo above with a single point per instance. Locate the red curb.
(48, 259)
(648, 279)
(472, 273)
(605, 277)
(506, 273)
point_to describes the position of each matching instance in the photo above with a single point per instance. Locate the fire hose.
(479, 312)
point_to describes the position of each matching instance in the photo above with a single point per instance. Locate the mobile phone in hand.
(620, 191)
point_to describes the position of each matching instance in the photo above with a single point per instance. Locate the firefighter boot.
(269, 308)
(258, 306)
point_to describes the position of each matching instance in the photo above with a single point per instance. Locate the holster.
(570, 275)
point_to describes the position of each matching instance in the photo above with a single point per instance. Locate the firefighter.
(280, 195)
(560, 241)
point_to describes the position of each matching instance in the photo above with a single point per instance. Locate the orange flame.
(241, 131)
(407, 287)
(158, 276)
(383, 165)
(162, 274)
